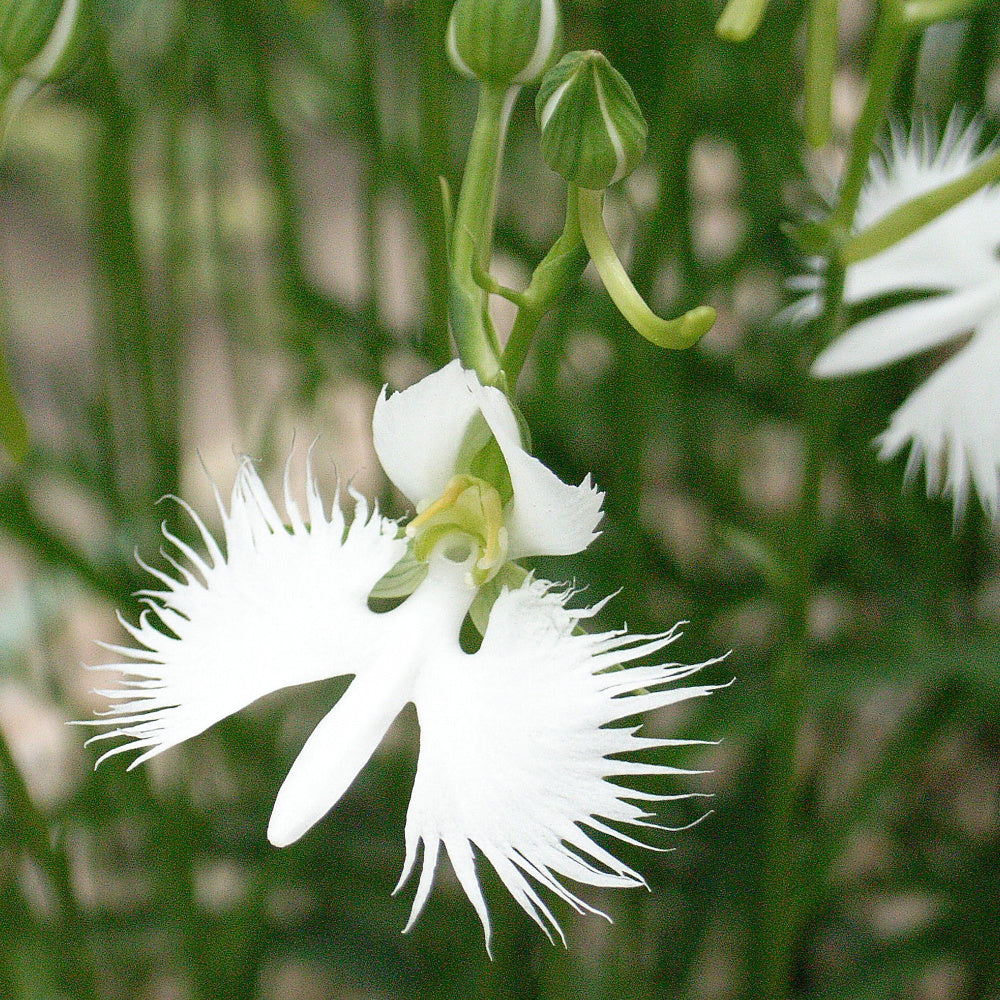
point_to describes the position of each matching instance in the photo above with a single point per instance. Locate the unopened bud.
(41, 40)
(504, 41)
(593, 132)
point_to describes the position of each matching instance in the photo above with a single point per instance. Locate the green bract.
(40, 40)
(504, 41)
(593, 132)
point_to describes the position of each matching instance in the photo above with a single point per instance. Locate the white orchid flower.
(516, 741)
(952, 420)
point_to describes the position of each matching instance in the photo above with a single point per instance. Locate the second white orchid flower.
(518, 754)
(951, 420)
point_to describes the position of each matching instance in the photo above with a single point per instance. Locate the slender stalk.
(821, 58)
(555, 275)
(887, 55)
(432, 20)
(777, 920)
(366, 24)
(177, 241)
(13, 427)
(472, 235)
(142, 365)
(779, 915)
(678, 334)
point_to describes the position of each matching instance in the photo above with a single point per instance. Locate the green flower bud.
(593, 132)
(41, 40)
(504, 41)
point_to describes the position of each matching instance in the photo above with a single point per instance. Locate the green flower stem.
(740, 19)
(887, 56)
(821, 58)
(432, 21)
(916, 213)
(13, 428)
(679, 333)
(778, 917)
(142, 361)
(560, 269)
(365, 21)
(472, 235)
(777, 920)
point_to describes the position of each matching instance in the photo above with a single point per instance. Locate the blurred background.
(222, 237)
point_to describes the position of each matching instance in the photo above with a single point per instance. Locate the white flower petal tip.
(421, 433)
(952, 420)
(520, 757)
(227, 629)
(418, 433)
(953, 426)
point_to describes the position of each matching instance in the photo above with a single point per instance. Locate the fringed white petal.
(914, 163)
(516, 744)
(283, 606)
(954, 251)
(953, 423)
(907, 330)
(545, 516)
(418, 433)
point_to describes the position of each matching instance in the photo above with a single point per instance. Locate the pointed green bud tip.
(504, 41)
(42, 40)
(593, 132)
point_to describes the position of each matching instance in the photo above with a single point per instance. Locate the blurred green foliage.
(172, 202)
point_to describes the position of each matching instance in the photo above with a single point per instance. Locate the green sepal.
(489, 465)
(918, 212)
(512, 576)
(402, 580)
